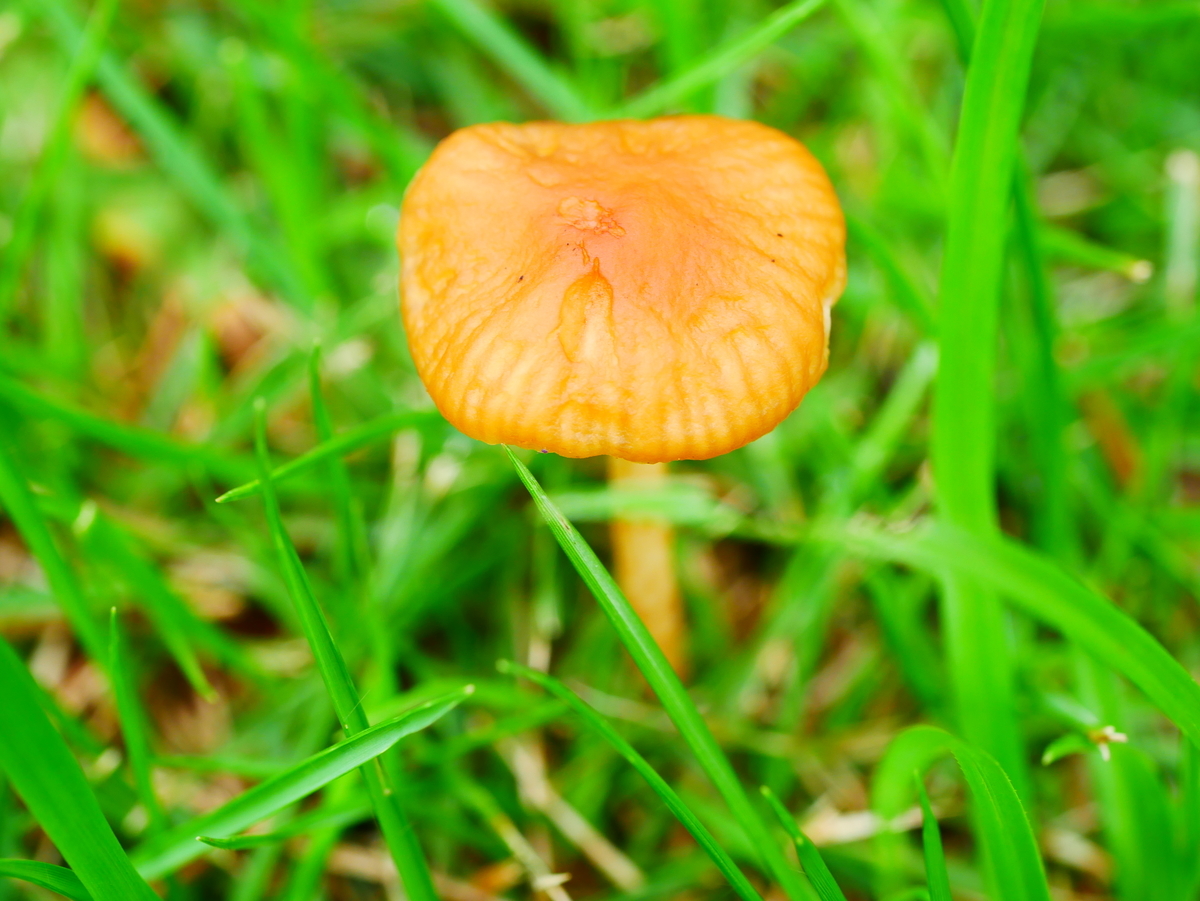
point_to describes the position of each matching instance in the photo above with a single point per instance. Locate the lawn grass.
(247, 573)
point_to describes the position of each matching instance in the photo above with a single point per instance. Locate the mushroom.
(651, 290)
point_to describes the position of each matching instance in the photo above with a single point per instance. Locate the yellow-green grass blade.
(167, 852)
(1043, 590)
(665, 683)
(393, 819)
(47, 876)
(674, 803)
(810, 858)
(964, 430)
(1010, 852)
(349, 441)
(46, 776)
(723, 60)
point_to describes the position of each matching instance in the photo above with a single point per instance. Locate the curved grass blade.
(810, 858)
(45, 774)
(172, 849)
(674, 803)
(48, 876)
(722, 61)
(1012, 861)
(935, 858)
(1047, 593)
(345, 443)
(654, 666)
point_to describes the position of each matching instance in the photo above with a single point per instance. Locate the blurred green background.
(194, 195)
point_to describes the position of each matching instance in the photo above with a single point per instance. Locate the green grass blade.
(720, 62)
(936, 875)
(171, 850)
(345, 443)
(1047, 593)
(511, 53)
(1012, 860)
(83, 66)
(810, 858)
(138, 442)
(133, 721)
(674, 803)
(48, 876)
(45, 774)
(654, 666)
(964, 431)
(177, 625)
(393, 820)
(23, 510)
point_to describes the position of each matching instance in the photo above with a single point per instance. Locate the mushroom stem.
(644, 565)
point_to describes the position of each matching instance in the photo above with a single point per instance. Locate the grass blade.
(27, 517)
(345, 443)
(48, 876)
(189, 169)
(49, 780)
(173, 849)
(654, 666)
(137, 442)
(133, 722)
(810, 858)
(964, 433)
(936, 875)
(1047, 593)
(398, 833)
(83, 66)
(1010, 852)
(722, 61)
(512, 54)
(674, 803)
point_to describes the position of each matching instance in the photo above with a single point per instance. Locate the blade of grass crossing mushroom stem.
(48, 778)
(657, 670)
(48, 876)
(402, 842)
(963, 441)
(810, 858)
(674, 803)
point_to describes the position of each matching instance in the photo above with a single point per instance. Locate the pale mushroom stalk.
(643, 562)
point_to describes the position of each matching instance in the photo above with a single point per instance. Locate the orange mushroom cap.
(652, 290)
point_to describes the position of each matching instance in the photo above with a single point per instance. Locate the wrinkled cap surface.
(654, 290)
